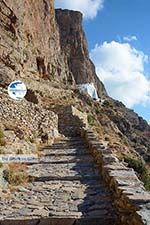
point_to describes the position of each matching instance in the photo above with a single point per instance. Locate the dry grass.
(2, 142)
(16, 174)
(2, 139)
(1, 134)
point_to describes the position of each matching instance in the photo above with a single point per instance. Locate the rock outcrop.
(131, 125)
(29, 121)
(29, 43)
(74, 45)
(70, 120)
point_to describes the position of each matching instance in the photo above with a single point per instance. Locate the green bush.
(136, 164)
(91, 119)
(98, 111)
(1, 134)
(1, 164)
(141, 169)
(146, 180)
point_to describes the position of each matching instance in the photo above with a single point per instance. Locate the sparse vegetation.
(141, 170)
(1, 164)
(91, 120)
(97, 110)
(1, 134)
(19, 151)
(15, 174)
(2, 151)
(89, 102)
(2, 140)
(32, 140)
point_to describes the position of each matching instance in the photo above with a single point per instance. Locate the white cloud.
(89, 8)
(121, 68)
(130, 38)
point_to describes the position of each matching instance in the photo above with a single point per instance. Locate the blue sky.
(118, 38)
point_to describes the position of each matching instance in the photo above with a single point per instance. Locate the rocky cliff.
(33, 45)
(29, 44)
(74, 45)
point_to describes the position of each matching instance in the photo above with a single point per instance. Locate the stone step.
(99, 214)
(83, 160)
(82, 148)
(61, 171)
(68, 167)
(61, 153)
(63, 199)
(68, 186)
(58, 220)
(65, 152)
(47, 177)
(108, 220)
(71, 140)
(57, 159)
(51, 157)
(67, 146)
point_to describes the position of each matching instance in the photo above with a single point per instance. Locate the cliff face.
(33, 45)
(74, 45)
(29, 43)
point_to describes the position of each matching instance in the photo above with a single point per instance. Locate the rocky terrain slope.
(47, 50)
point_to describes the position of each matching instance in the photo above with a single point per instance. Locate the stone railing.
(130, 198)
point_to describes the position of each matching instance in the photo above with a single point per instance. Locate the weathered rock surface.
(74, 45)
(70, 120)
(29, 43)
(27, 120)
(131, 126)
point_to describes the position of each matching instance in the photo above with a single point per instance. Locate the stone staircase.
(77, 181)
(67, 189)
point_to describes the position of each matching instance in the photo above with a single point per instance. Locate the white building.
(89, 89)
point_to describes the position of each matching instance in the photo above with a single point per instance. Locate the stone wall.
(70, 120)
(130, 198)
(28, 120)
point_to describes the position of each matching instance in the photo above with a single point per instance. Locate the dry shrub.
(16, 174)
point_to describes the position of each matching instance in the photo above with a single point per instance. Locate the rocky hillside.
(48, 51)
